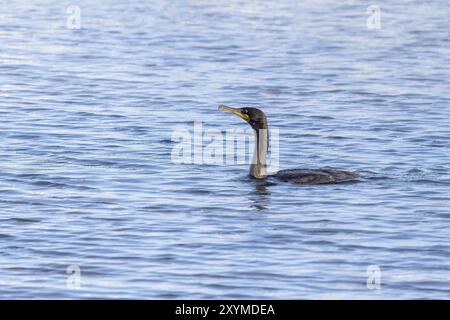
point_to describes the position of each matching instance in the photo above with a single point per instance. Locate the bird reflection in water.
(260, 197)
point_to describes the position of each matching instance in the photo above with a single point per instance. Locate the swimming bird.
(258, 168)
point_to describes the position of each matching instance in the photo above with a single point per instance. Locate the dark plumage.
(315, 176)
(258, 121)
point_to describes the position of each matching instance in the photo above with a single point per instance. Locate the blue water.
(86, 177)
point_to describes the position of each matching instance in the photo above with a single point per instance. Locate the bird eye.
(245, 111)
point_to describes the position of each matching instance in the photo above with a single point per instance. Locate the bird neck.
(258, 167)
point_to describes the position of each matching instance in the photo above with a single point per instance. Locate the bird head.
(253, 116)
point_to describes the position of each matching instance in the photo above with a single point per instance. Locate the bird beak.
(235, 111)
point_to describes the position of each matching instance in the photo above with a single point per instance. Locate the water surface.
(86, 176)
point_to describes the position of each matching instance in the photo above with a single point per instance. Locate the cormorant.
(258, 121)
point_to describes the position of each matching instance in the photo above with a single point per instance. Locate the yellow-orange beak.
(235, 111)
